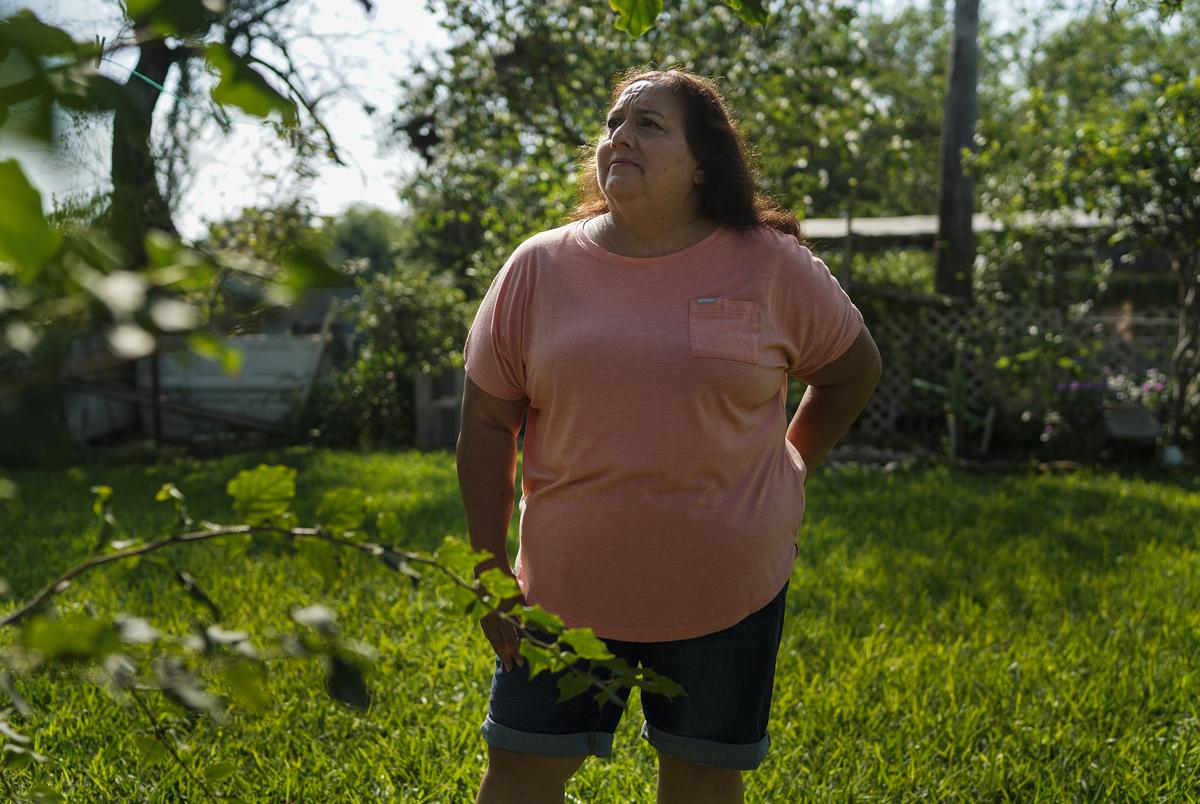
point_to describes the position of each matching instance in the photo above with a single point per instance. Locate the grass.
(949, 637)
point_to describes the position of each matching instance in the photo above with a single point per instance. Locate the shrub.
(409, 321)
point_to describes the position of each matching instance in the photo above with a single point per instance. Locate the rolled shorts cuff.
(730, 756)
(584, 743)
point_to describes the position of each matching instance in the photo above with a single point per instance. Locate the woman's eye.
(649, 122)
(613, 123)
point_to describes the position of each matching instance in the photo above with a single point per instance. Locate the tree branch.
(371, 548)
(162, 738)
(310, 105)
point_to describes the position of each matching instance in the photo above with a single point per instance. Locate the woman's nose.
(622, 134)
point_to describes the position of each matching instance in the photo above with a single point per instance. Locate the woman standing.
(650, 341)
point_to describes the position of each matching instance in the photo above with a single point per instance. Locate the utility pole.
(955, 245)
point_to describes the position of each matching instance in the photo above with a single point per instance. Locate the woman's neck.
(652, 237)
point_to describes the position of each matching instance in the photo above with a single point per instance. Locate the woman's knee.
(533, 766)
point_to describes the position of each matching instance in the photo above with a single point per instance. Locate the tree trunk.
(955, 247)
(137, 204)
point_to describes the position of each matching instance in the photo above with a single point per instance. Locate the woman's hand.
(503, 635)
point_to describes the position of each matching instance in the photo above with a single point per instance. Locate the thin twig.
(162, 738)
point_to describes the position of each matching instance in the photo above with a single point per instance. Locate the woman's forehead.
(645, 93)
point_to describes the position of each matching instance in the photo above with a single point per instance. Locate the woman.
(650, 341)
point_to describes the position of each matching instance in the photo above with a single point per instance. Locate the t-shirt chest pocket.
(724, 328)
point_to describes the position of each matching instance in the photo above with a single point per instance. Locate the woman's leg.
(514, 778)
(682, 782)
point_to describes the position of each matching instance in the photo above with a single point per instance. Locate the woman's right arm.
(487, 470)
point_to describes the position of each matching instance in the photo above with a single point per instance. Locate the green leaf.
(103, 495)
(8, 732)
(263, 493)
(342, 509)
(198, 594)
(25, 237)
(499, 584)
(220, 771)
(388, 525)
(150, 748)
(248, 685)
(322, 558)
(181, 686)
(168, 492)
(318, 617)
(18, 700)
(460, 558)
(17, 756)
(176, 16)
(539, 658)
(635, 17)
(221, 636)
(139, 8)
(24, 31)
(584, 642)
(243, 87)
(43, 794)
(571, 686)
(307, 268)
(659, 684)
(540, 618)
(399, 564)
(749, 11)
(75, 637)
(345, 683)
(206, 344)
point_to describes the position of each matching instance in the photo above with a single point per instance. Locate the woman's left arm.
(835, 396)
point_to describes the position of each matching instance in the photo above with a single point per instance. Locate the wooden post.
(156, 394)
(848, 244)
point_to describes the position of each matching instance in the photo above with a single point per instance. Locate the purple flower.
(1074, 386)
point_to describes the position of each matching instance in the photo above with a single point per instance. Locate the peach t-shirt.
(660, 497)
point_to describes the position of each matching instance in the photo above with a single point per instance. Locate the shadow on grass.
(908, 541)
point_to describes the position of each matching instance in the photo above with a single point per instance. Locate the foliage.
(363, 233)
(408, 321)
(258, 242)
(1125, 147)
(828, 95)
(936, 617)
(54, 288)
(129, 657)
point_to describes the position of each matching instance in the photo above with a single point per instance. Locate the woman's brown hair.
(729, 192)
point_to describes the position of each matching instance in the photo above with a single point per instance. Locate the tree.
(955, 246)
(836, 103)
(243, 40)
(1109, 127)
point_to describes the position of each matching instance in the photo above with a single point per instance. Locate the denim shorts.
(728, 676)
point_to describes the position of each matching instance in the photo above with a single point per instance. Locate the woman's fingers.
(512, 642)
(503, 638)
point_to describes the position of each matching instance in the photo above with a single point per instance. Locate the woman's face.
(644, 155)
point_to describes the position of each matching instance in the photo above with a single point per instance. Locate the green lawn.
(949, 637)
